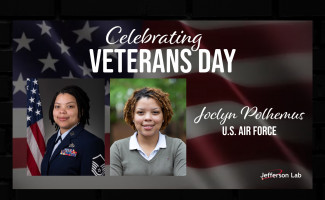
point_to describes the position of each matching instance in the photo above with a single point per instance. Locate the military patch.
(71, 145)
(68, 152)
(98, 165)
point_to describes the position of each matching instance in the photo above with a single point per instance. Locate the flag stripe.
(19, 153)
(219, 89)
(214, 149)
(284, 38)
(33, 147)
(38, 137)
(32, 166)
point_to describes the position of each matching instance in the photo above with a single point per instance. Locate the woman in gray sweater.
(148, 152)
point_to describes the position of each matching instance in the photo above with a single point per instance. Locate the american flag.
(35, 128)
(272, 68)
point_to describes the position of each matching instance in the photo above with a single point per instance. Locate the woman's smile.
(148, 117)
(65, 111)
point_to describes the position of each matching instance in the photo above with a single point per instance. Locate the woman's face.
(148, 116)
(65, 111)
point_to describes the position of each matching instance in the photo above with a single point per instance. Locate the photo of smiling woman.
(72, 150)
(148, 152)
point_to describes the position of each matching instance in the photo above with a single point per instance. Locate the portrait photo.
(65, 117)
(148, 127)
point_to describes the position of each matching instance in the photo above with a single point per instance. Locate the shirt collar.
(66, 133)
(135, 145)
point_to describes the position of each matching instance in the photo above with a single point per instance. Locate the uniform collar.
(66, 133)
(134, 144)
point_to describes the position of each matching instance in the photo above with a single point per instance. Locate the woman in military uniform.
(72, 150)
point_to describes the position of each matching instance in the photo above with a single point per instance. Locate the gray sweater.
(167, 162)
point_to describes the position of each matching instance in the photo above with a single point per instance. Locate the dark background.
(167, 9)
(48, 88)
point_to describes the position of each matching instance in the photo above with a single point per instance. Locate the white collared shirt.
(62, 137)
(134, 144)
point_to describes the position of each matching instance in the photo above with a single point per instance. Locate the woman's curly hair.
(162, 98)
